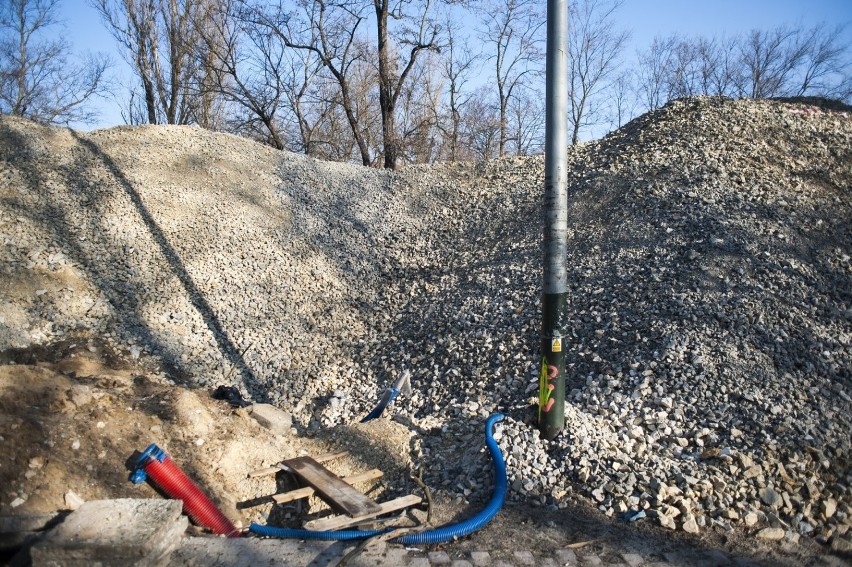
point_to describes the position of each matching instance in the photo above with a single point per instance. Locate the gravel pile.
(711, 298)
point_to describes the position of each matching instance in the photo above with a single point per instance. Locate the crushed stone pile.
(711, 299)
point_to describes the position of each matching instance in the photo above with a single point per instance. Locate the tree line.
(391, 82)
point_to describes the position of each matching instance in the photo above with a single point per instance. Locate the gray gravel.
(710, 300)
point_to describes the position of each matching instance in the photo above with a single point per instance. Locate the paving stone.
(503, 563)
(548, 562)
(480, 558)
(395, 556)
(438, 558)
(524, 558)
(591, 560)
(114, 533)
(255, 552)
(462, 563)
(633, 559)
(418, 562)
(564, 556)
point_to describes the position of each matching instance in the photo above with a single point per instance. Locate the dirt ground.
(73, 414)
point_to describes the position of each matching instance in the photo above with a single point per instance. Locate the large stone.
(114, 533)
(16, 531)
(272, 418)
(771, 534)
(771, 498)
(667, 521)
(829, 506)
(689, 524)
(841, 544)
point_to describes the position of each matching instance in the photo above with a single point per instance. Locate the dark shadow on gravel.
(53, 216)
(226, 345)
(123, 295)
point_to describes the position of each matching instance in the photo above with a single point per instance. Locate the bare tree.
(526, 122)
(331, 135)
(418, 111)
(38, 80)
(768, 60)
(594, 46)
(623, 101)
(718, 65)
(459, 64)
(482, 126)
(826, 62)
(416, 34)
(246, 67)
(684, 71)
(652, 76)
(513, 30)
(209, 110)
(160, 41)
(329, 30)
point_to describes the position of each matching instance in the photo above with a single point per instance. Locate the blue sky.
(645, 19)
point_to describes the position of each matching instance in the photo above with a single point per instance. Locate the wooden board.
(309, 491)
(331, 488)
(338, 522)
(280, 466)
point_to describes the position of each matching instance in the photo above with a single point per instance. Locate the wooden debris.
(331, 488)
(281, 466)
(309, 491)
(339, 522)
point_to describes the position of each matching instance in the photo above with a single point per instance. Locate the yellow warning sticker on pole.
(556, 345)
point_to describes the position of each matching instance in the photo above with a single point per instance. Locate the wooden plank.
(338, 522)
(308, 490)
(324, 458)
(331, 488)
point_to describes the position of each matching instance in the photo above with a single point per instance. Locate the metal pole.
(551, 410)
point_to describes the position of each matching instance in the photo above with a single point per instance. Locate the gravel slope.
(710, 298)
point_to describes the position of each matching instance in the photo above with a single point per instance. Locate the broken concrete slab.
(115, 533)
(25, 523)
(17, 531)
(272, 418)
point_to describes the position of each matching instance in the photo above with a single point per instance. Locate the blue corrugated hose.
(438, 535)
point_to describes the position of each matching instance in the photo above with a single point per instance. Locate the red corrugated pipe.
(165, 474)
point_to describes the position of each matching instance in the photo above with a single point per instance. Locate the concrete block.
(272, 418)
(19, 531)
(25, 523)
(114, 533)
(255, 552)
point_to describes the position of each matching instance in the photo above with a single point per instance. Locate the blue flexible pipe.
(438, 535)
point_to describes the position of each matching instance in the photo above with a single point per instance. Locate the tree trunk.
(147, 83)
(386, 99)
